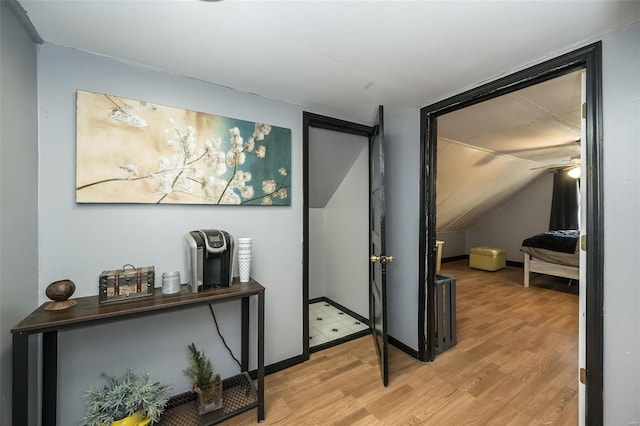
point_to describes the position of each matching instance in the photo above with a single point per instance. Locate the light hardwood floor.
(515, 364)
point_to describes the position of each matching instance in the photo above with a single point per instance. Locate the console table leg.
(261, 357)
(244, 356)
(49, 377)
(20, 377)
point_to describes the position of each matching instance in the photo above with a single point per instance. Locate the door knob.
(374, 259)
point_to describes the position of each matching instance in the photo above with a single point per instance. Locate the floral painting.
(130, 151)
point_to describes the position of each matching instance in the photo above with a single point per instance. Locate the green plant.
(124, 396)
(200, 369)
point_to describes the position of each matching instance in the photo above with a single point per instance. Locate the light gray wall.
(402, 162)
(18, 190)
(621, 97)
(317, 254)
(347, 238)
(80, 241)
(455, 243)
(523, 215)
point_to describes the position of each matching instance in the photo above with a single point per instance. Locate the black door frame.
(590, 59)
(328, 123)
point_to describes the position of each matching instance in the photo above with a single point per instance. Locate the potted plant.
(206, 384)
(130, 400)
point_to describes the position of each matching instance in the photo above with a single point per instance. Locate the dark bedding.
(563, 241)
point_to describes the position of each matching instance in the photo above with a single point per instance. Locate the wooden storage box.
(126, 283)
(487, 258)
(446, 336)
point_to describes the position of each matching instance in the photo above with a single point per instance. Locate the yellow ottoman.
(487, 258)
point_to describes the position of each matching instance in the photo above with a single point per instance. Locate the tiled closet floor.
(327, 323)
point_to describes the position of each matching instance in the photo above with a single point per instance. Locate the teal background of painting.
(278, 154)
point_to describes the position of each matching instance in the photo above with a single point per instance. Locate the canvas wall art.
(130, 151)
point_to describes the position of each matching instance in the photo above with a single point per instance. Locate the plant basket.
(210, 399)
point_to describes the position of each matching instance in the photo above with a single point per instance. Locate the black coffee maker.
(209, 255)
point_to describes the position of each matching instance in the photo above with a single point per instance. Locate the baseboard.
(466, 256)
(299, 359)
(454, 258)
(278, 366)
(404, 348)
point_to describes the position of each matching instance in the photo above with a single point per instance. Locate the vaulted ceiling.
(490, 151)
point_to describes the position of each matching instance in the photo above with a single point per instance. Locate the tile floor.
(327, 323)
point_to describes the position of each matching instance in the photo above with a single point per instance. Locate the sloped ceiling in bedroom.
(490, 151)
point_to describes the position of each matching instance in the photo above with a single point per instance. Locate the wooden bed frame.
(531, 264)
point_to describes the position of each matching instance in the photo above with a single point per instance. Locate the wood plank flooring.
(515, 364)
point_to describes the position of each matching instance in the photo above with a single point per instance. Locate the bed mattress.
(569, 259)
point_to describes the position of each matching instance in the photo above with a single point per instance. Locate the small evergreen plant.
(200, 369)
(124, 396)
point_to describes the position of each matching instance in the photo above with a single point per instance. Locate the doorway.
(589, 59)
(335, 232)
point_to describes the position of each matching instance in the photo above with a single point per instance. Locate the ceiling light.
(575, 172)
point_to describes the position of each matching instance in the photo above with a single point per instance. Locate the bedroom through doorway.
(588, 59)
(497, 164)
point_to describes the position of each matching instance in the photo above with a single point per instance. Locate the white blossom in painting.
(206, 167)
(268, 186)
(126, 114)
(133, 171)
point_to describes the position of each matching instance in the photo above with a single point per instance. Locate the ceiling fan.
(572, 167)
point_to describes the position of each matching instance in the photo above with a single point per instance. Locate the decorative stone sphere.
(60, 290)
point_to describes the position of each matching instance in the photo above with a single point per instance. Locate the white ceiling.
(338, 57)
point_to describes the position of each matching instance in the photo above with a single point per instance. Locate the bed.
(552, 253)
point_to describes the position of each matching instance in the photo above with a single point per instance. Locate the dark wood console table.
(88, 312)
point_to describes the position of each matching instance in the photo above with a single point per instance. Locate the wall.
(79, 241)
(455, 243)
(347, 238)
(621, 104)
(317, 254)
(402, 191)
(523, 215)
(18, 190)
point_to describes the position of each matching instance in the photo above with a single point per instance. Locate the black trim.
(589, 58)
(279, 366)
(454, 258)
(466, 256)
(404, 348)
(329, 123)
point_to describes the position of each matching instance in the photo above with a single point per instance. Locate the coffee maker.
(209, 254)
